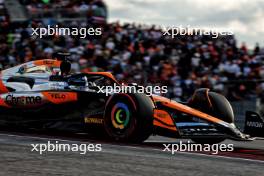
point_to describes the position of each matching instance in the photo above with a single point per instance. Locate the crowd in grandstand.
(74, 4)
(135, 53)
(65, 8)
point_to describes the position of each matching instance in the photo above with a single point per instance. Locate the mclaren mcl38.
(44, 94)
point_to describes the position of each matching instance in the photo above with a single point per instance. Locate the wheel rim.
(120, 116)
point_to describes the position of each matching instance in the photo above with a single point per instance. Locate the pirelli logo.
(93, 120)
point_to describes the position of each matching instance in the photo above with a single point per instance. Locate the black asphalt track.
(16, 158)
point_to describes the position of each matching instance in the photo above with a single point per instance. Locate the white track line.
(225, 157)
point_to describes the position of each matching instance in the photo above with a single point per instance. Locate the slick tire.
(129, 118)
(221, 108)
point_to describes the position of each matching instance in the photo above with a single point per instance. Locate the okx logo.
(22, 100)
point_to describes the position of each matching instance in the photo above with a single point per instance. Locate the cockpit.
(87, 82)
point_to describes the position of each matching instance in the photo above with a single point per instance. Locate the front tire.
(213, 104)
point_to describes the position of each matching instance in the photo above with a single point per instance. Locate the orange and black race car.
(43, 94)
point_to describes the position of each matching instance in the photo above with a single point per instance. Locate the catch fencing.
(240, 108)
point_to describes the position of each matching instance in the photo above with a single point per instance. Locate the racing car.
(45, 94)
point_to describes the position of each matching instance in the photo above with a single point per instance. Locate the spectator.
(135, 53)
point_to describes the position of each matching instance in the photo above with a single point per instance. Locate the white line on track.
(225, 157)
(135, 147)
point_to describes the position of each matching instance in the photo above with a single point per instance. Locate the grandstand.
(133, 53)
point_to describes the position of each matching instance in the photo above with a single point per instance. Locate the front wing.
(174, 119)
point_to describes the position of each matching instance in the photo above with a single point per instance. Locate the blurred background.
(133, 48)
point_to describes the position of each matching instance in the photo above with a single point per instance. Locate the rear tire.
(129, 118)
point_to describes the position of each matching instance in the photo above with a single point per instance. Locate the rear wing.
(254, 124)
